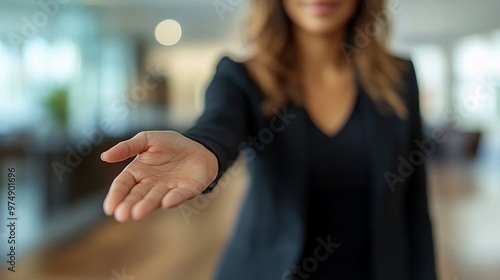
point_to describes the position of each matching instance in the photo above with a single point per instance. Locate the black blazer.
(270, 230)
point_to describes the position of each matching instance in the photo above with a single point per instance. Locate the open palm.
(169, 169)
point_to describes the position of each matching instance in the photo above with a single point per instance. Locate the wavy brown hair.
(269, 32)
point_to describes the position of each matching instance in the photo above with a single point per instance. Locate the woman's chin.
(322, 29)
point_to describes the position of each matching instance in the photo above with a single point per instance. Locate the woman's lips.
(321, 8)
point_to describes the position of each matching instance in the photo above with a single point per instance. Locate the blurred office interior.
(76, 76)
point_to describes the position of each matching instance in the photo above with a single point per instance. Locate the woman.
(327, 121)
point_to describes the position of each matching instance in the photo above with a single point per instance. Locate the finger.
(150, 202)
(123, 211)
(126, 149)
(179, 195)
(119, 189)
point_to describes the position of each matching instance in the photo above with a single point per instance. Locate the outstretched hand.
(169, 169)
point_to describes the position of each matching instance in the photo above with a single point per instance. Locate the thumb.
(126, 149)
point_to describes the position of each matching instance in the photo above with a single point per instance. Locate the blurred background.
(77, 76)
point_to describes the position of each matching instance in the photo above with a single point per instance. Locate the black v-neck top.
(338, 203)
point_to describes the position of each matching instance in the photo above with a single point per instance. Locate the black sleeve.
(419, 224)
(223, 125)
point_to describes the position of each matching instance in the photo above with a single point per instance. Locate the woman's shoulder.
(407, 69)
(410, 90)
(230, 67)
(236, 72)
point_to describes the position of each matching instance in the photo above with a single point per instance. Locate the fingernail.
(102, 156)
(106, 212)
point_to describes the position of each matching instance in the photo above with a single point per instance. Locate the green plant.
(57, 105)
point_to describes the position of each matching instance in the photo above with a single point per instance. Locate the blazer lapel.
(293, 146)
(381, 146)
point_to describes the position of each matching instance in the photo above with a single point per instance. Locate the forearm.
(223, 126)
